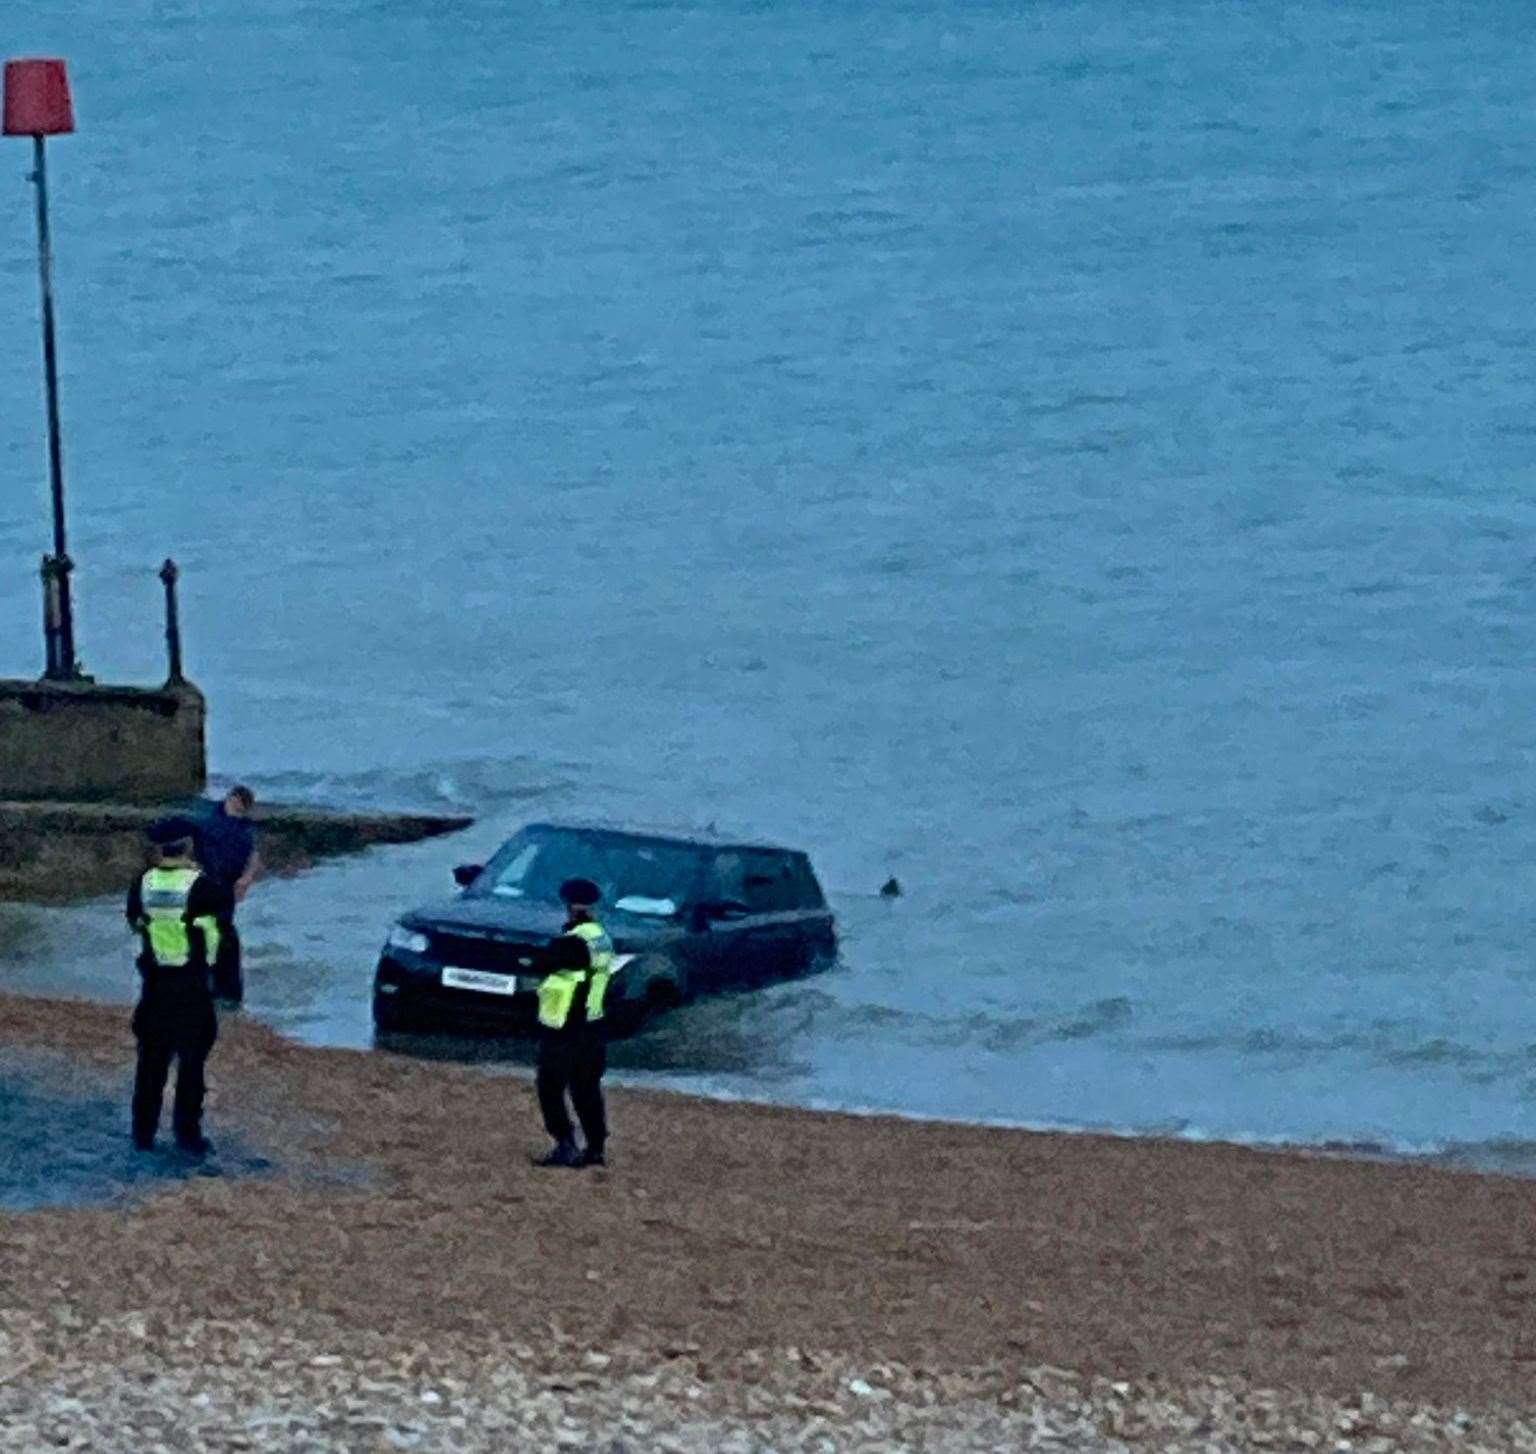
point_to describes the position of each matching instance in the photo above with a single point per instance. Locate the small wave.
(1101, 1015)
(1509, 1155)
(481, 785)
(804, 1010)
(1438, 1051)
(870, 224)
(1386, 1045)
(1074, 402)
(855, 217)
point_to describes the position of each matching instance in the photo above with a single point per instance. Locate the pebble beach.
(371, 1263)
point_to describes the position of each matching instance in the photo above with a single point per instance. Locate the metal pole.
(61, 662)
(169, 574)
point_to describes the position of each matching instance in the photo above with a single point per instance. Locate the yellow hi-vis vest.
(165, 892)
(558, 991)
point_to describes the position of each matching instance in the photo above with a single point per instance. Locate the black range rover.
(687, 916)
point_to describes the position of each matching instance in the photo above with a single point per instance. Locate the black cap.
(168, 832)
(580, 891)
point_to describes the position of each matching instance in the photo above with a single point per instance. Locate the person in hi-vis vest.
(573, 1051)
(174, 908)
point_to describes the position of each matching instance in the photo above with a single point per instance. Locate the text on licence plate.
(479, 979)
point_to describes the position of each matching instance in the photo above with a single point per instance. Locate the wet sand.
(401, 1205)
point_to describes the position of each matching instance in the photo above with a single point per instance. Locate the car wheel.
(630, 1016)
(387, 1015)
(661, 995)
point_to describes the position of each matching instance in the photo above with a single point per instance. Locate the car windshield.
(636, 877)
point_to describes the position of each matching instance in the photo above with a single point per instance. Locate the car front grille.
(468, 952)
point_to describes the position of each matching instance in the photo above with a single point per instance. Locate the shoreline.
(1455, 1156)
(1445, 1157)
(401, 1208)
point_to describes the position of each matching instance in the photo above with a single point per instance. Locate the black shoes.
(564, 1154)
(197, 1147)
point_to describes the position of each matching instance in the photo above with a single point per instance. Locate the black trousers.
(228, 982)
(182, 1030)
(573, 1064)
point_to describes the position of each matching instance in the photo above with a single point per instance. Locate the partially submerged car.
(687, 915)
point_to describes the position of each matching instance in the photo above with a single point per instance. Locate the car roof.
(706, 838)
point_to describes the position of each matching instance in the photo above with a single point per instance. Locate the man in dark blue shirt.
(226, 848)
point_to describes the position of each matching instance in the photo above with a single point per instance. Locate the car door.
(744, 944)
(677, 955)
(772, 894)
(794, 915)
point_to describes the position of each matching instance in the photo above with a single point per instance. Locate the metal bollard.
(169, 575)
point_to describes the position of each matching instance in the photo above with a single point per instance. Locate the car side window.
(729, 878)
(769, 886)
(754, 879)
(766, 883)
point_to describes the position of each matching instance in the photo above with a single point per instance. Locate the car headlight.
(402, 938)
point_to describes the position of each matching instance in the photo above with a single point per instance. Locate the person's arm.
(138, 921)
(248, 876)
(205, 900)
(569, 951)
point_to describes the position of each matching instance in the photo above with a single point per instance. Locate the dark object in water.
(890, 889)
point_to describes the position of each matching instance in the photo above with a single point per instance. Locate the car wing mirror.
(466, 873)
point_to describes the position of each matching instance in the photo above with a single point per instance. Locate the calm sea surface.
(1075, 457)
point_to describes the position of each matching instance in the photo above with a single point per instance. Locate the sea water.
(1076, 458)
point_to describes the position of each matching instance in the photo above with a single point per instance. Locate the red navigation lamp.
(37, 99)
(37, 104)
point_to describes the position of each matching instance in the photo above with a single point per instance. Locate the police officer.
(572, 1050)
(174, 908)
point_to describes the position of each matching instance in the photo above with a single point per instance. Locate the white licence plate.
(479, 979)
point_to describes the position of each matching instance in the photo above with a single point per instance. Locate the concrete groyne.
(57, 852)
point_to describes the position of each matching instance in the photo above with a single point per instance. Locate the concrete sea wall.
(85, 768)
(82, 742)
